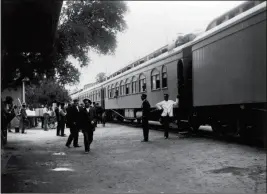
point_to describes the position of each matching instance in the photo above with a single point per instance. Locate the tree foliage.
(100, 77)
(47, 92)
(84, 25)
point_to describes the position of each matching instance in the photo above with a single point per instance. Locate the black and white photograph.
(133, 96)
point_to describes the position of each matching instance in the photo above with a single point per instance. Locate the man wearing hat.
(89, 118)
(167, 114)
(74, 122)
(145, 111)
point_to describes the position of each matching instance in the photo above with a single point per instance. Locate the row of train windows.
(95, 96)
(130, 87)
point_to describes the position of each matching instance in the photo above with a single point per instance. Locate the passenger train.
(220, 76)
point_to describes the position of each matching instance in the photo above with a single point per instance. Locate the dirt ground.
(119, 163)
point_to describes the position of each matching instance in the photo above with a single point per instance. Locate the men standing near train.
(89, 118)
(57, 117)
(74, 122)
(167, 114)
(145, 114)
(62, 118)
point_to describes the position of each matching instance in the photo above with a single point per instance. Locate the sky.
(151, 25)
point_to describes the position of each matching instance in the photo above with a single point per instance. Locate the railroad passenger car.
(229, 71)
(220, 75)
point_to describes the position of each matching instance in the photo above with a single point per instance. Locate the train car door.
(103, 97)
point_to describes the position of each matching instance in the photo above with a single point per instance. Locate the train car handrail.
(127, 118)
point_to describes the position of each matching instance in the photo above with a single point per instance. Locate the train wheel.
(194, 123)
(195, 127)
(216, 128)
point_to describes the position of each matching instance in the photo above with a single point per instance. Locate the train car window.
(117, 88)
(134, 84)
(113, 91)
(142, 83)
(164, 77)
(109, 92)
(127, 86)
(122, 87)
(155, 80)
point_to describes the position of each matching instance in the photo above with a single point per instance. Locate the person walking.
(6, 117)
(46, 117)
(145, 114)
(89, 118)
(62, 119)
(74, 122)
(99, 111)
(167, 114)
(104, 118)
(42, 118)
(23, 117)
(16, 119)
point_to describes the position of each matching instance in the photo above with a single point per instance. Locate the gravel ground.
(120, 163)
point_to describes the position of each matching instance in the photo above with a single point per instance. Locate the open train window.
(122, 87)
(127, 86)
(117, 89)
(164, 77)
(142, 83)
(113, 91)
(98, 94)
(155, 80)
(134, 84)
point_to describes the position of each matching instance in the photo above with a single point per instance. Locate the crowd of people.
(82, 117)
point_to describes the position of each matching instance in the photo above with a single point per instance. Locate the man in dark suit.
(57, 117)
(89, 118)
(145, 111)
(74, 122)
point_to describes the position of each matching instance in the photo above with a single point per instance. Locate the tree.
(48, 92)
(100, 77)
(84, 26)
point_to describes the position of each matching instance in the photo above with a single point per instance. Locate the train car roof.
(227, 24)
(233, 10)
(149, 62)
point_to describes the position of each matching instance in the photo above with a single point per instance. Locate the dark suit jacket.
(57, 113)
(74, 116)
(145, 108)
(87, 118)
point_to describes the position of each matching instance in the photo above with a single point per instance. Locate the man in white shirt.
(167, 107)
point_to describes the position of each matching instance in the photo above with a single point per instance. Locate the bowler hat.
(86, 99)
(144, 95)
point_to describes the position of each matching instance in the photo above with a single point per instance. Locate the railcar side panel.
(230, 67)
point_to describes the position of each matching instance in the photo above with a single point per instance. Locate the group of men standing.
(81, 118)
(166, 106)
